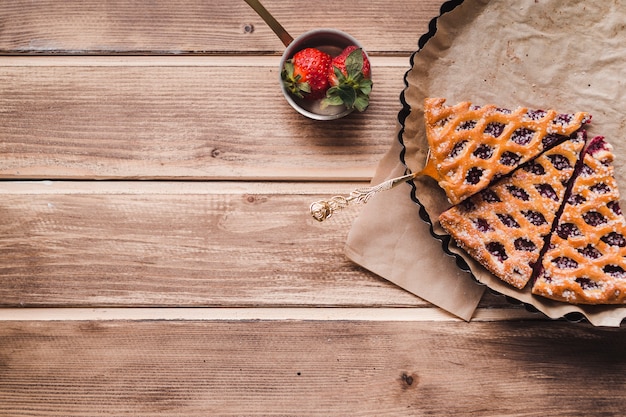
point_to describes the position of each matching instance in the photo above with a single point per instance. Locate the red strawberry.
(306, 74)
(350, 80)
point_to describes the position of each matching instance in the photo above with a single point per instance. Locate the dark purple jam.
(522, 136)
(473, 175)
(615, 271)
(594, 218)
(490, 196)
(586, 171)
(546, 191)
(535, 168)
(525, 245)
(600, 188)
(494, 129)
(560, 162)
(563, 262)
(508, 220)
(535, 114)
(565, 230)
(518, 192)
(614, 239)
(482, 225)
(563, 119)
(614, 207)
(576, 199)
(534, 217)
(497, 250)
(587, 283)
(483, 152)
(510, 158)
(590, 252)
(467, 125)
(457, 149)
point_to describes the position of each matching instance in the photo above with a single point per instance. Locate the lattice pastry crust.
(585, 260)
(505, 226)
(470, 146)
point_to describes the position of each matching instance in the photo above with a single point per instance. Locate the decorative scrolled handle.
(323, 209)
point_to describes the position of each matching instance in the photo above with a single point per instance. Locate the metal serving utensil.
(323, 209)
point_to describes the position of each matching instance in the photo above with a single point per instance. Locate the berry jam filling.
(473, 175)
(535, 114)
(503, 111)
(508, 220)
(601, 188)
(467, 125)
(615, 271)
(614, 239)
(510, 158)
(534, 217)
(457, 149)
(576, 199)
(550, 139)
(587, 283)
(483, 152)
(559, 161)
(497, 250)
(534, 168)
(522, 136)
(490, 196)
(586, 171)
(614, 207)
(593, 218)
(494, 129)
(546, 191)
(563, 262)
(597, 144)
(525, 245)
(565, 230)
(590, 252)
(518, 193)
(563, 119)
(482, 225)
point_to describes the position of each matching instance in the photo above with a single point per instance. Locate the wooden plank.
(310, 368)
(201, 27)
(183, 244)
(174, 121)
(419, 313)
(179, 244)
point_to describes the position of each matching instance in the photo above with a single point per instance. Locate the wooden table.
(156, 252)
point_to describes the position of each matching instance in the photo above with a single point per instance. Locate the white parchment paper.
(566, 55)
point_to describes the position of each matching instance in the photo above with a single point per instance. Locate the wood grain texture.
(188, 368)
(172, 121)
(200, 27)
(182, 244)
(208, 245)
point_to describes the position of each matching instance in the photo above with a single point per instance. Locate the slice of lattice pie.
(504, 227)
(585, 260)
(471, 146)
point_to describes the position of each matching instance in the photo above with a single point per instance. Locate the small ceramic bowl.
(332, 42)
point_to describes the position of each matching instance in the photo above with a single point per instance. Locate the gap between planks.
(169, 61)
(261, 314)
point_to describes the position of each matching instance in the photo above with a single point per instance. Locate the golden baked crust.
(471, 146)
(504, 226)
(585, 260)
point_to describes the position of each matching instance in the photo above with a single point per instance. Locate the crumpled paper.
(569, 56)
(389, 238)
